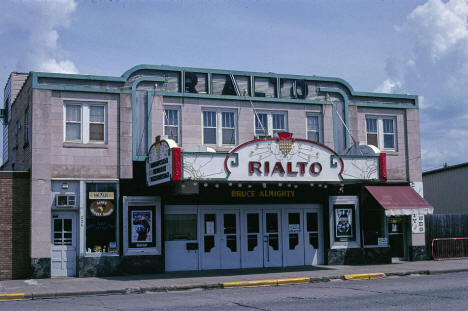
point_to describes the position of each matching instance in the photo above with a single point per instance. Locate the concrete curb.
(13, 296)
(272, 282)
(365, 276)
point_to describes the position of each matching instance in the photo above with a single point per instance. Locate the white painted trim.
(142, 201)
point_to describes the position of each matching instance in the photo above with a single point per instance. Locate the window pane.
(73, 113)
(96, 114)
(67, 224)
(229, 137)
(209, 118)
(209, 135)
(312, 222)
(181, 227)
(73, 131)
(265, 87)
(171, 117)
(312, 123)
(253, 223)
(172, 132)
(389, 141)
(228, 119)
(287, 90)
(371, 125)
(230, 224)
(388, 126)
(372, 140)
(96, 131)
(222, 85)
(314, 136)
(278, 122)
(261, 124)
(243, 84)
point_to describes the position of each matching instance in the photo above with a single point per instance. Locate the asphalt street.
(414, 292)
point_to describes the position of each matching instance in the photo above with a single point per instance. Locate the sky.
(415, 47)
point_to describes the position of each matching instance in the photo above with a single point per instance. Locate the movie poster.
(141, 226)
(343, 223)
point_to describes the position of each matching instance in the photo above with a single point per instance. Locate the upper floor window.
(85, 122)
(268, 123)
(219, 127)
(381, 132)
(314, 127)
(26, 127)
(172, 124)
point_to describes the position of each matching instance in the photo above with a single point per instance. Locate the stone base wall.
(359, 256)
(40, 268)
(119, 265)
(15, 225)
(418, 253)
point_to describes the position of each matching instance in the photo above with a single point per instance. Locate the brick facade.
(15, 225)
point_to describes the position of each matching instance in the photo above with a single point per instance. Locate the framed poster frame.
(141, 225)
(342, 203)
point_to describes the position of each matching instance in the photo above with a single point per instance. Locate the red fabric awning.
(400, 200)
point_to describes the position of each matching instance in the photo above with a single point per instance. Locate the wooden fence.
(444, 226)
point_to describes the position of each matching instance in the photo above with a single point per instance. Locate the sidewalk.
(62, 287)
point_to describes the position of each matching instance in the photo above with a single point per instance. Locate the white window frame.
(219, 126)
(85, 122)
(320, 127)
(380, 131)
(176, 108)
(269, 125)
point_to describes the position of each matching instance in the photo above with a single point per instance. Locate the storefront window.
(374, 227)
(181, 227)
(101, 218)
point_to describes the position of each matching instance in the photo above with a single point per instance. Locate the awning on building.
(400, 200)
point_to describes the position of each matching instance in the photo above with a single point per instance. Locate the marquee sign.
(159, 163)
(283, 158)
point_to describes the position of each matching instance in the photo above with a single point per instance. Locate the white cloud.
(41, 21)
(388, 86)
(51, 65)
(433, 63)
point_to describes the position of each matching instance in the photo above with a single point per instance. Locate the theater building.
(172, 169)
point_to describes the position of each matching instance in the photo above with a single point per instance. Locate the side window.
(171, 124)
(219, 127)
(381, 132)
(85, 122)
(314, 127)
(268, 123)
(73, 123)
(26, 127)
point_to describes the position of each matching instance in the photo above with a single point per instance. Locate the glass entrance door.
(313, 241)
(294, 238)
(396, 236)
(220, 239)
(63, 249)
(252, 240)
(272, 250)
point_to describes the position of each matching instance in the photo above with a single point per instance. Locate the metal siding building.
(447, 189)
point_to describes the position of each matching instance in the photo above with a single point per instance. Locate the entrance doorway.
(63, 248)
(396, 236)
(254, 236)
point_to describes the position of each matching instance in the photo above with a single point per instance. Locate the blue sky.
(399, 46)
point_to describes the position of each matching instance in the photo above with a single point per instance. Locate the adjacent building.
(445, 189)
(168, 168)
